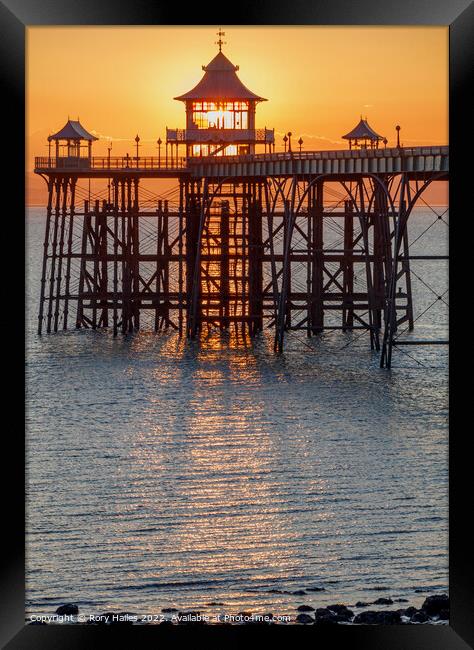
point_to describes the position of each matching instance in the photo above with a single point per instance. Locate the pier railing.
(175, 163)
(111, 162)
(218, 136)
(335, 154)
(393, 160)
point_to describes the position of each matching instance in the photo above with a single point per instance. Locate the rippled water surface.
(167, 474)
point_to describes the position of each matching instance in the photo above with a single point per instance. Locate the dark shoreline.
(434, 611)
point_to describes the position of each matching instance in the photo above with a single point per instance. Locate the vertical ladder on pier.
(224, 268)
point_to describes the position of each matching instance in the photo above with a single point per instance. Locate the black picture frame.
(18, 14)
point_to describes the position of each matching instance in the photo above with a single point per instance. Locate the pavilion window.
(74, 150)
(212, 149)
(220, 115)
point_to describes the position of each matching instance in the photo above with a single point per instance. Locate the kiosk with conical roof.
(73, 145)
(363, 136)
(220, 114)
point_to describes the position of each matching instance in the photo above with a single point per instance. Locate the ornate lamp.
(137, 140)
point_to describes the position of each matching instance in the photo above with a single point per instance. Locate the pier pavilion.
(220, 114)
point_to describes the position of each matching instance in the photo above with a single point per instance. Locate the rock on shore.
(435, 605)
(433, 610)
(68, 610)
(378, 618)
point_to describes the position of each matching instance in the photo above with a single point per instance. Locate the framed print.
(239, 415)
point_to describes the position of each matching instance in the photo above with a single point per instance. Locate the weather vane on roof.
(220, 42)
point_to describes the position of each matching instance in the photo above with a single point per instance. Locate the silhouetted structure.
(69, 148)
(363, 136)
(249, 244)
(220, 114)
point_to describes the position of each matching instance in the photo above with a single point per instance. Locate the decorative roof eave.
(220, 82)
(218, 96)
(72, 130)
(362, 132)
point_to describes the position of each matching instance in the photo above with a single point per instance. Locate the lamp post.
(137, 140)
(158, 142)
(109, 149)
(398, 135)
(385, 142)
(285, 140)
(300, 142)
(289, 141)
(166, 154)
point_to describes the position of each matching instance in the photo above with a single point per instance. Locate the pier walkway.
(412, 160)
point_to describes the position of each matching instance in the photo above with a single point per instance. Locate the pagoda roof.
(220, 82)
(362, 131)
(72, 130)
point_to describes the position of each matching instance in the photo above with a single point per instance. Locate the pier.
(293, 240)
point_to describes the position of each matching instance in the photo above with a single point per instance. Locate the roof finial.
(220, 42)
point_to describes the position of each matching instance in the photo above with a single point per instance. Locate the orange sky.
(120, 81)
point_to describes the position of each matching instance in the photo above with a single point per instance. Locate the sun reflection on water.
(166, 472)
(214, 461)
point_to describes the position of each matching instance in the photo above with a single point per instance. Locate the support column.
(64, 187)
(69, 251)
(51, 186)
(255, 263)
(94, 235)
(348, 268)
(135, 257)
(54, 253)
(129, 259)
(82, 273)
(364, 225)
(287, 234)
(103, 271)
(405, 269)
(224, 266)
(166, 252)
(380, 215)
(285, 294)
(115, 186)
(244, 297)
(181, 262)
(391, 307)
(163, 253)
(125, 238)
(317, 279)
(195, 208)
(159, 259)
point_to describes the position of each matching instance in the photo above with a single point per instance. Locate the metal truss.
(303, 252)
